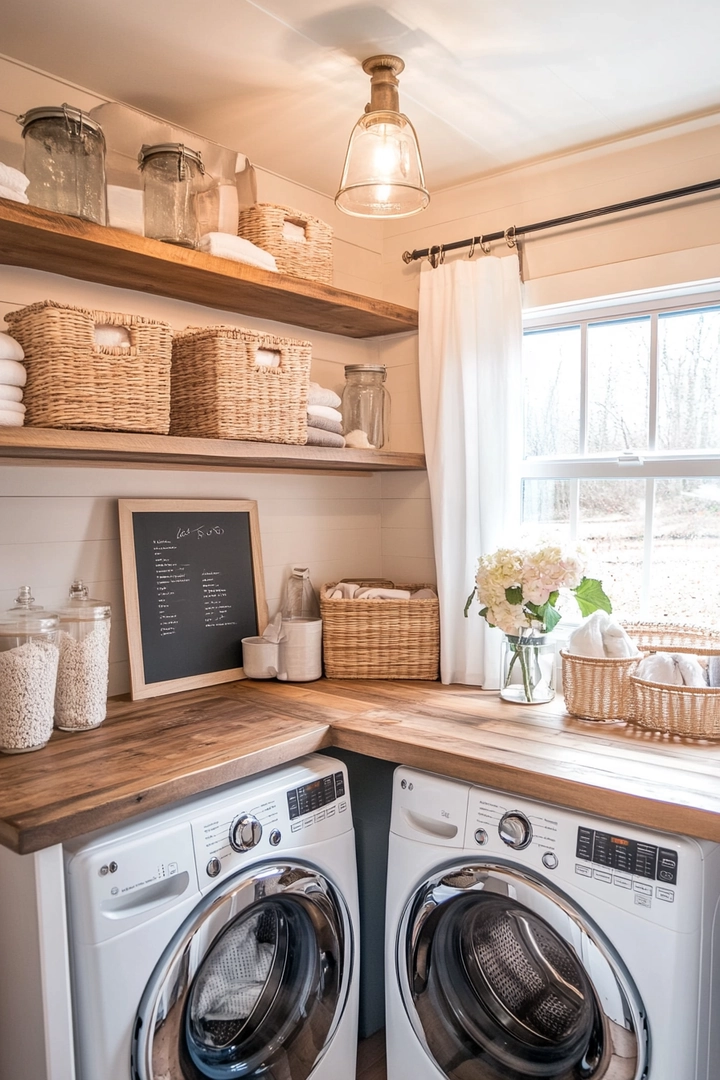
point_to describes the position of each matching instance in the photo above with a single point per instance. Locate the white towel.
(10, 393)
(13, 406)
(673, 669)
(326, 411)
(12, 373)
(344, 590)
(600, 636)
(616, 641)
(14, 196)
(237, 248)
(111, 336)
(423, 594)
(320, 395)
(294, 233)
(358, 440)
(13, 178)
(382, 594)
(11, 419)
(10, 349)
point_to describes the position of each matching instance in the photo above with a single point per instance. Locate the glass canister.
(28, 671)
(365, 404)
(65, 162)
(82, 680)
(172, 178)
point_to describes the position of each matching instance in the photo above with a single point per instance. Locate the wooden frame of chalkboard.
(194, 587)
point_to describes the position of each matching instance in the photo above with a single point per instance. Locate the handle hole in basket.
(268, 358)
(294, 230)
(112, 336)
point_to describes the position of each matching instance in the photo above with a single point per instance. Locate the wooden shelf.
(91, 447)
(65, 245)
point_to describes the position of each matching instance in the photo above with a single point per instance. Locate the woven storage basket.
(380, 639)
(312, 258)
(221, 392)
(74, 383)
(597, 688)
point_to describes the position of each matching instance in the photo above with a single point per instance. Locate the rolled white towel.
(13, 406)
(344, 590)
(659, 668)
(326, 411)
(587, 638)
(13, 195)
(616, 641)
(12, 373)
(382, 594)
(10, 393)
(11, 419)
(10, 349)
(321, 395)
(237, 248)
(13, 178)
(691, 671)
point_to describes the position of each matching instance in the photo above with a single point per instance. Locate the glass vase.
(528, 669)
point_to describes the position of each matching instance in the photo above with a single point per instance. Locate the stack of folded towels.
(13, 184)
(12, 379)
(237, 248)
(324, 417)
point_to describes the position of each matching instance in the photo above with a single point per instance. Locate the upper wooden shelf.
(123, 448)
(66, 245)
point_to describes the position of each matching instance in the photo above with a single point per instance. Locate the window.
(622, 447)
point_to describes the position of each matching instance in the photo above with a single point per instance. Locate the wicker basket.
(220, 391)
(312, 258)
(74, 383)
(597, 688)
(380, 639)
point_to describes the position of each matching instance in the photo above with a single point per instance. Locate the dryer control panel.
(631, 856)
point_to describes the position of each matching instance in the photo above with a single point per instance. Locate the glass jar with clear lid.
(84, 641)
(365, 406)
(28, 672)
(65, 162)
(172, 178)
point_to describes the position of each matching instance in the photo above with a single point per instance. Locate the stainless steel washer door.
(504, 978)
(253, 984)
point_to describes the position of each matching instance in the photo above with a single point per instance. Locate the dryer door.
(253, 984)
(504, 978)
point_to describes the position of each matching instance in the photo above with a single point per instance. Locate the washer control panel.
(630, 856)
(311, 797)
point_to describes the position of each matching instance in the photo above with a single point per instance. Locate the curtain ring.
(441, 256)
(472, 248)
(436, 256)
(485, 248)
(510, 237)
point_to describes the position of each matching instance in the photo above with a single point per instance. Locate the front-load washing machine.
(218, 938)
(524, 940)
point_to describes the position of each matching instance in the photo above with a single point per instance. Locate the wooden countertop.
(148, 754)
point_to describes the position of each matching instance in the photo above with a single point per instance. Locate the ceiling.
(487, 85)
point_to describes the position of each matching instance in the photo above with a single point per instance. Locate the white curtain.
(471, 395)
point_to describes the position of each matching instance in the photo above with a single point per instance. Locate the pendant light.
(383, 174)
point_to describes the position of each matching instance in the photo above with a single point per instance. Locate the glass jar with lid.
(28, 672)
(82, 680)
(172, 178)
(365, 406)
(65, 162)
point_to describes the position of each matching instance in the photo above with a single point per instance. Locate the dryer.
(219, 938)
(524, 940)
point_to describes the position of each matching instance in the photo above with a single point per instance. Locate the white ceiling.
(487, 85)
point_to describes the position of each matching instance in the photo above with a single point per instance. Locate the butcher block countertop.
(148, 754)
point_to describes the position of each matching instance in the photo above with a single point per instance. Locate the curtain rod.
(509, 235)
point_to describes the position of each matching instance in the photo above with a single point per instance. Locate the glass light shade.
(383, 174)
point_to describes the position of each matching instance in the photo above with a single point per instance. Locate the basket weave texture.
(219, 390)
(312, 258)
(74, 383)
(609, 689)
(380, 639)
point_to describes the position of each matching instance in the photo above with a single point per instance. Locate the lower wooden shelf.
(89, 447)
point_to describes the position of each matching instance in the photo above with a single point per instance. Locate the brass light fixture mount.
(383, 72)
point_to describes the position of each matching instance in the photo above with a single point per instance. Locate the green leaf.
(513, 595)
(468, 602)
(550, 616)
(591, 597)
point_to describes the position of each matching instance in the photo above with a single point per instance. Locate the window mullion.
(653, 383)
(647, 546)
(583, 387)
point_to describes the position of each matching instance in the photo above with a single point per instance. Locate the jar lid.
(366, 367)
(27, 617)
(180, 149)
(82, 606)
(55, 112)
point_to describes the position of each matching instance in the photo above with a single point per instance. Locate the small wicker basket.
(75, 383)
(380, 639)
(597, 688)
(220, 391)
(311, 257)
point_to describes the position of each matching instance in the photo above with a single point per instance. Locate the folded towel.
(344, 590)
(616, 641)
(14, 196)
(10, 349)
(325, 425)
(320, 395)
(13, 178)
(11, 419)
(317, 437)
(13, 406)
(12, 373)
(10, 393)
(423, 594)
(358, 440)
(673, 669)
(326, 411)
(226, 246)
(382, 594)
(600, 636)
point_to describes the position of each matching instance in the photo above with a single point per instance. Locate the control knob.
(515, 830)
(245, 832)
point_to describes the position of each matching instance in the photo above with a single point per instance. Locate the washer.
(525, 940)
(219, 938)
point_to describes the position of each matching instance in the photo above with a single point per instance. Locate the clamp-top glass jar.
(365, 405)
(28, 671)
(172, 177)
(65, 162)
(82, 681)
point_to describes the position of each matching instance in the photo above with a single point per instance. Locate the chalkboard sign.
(193, 583)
